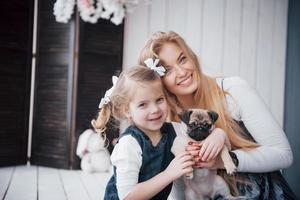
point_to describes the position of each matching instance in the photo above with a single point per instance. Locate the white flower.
(152, 65)
(63, 9)
(88, 12)
(105, 9)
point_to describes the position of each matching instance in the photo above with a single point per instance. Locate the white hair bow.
(106, 98)
(151, 63)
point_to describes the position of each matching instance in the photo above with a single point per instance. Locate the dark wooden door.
(75, 62)
(54, 59)
(15, 70)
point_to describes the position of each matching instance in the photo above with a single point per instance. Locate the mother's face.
(180, 78)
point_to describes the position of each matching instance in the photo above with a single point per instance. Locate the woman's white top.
(244, 104)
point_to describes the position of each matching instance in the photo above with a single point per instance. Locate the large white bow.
(152, 65)
(106, 98)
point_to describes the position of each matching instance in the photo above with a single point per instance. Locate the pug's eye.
(193, 125)
(207, 126)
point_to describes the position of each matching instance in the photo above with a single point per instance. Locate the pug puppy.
(203, 183)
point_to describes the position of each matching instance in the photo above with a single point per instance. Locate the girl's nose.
(154, 108)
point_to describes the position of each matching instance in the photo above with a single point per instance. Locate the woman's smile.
(186, 81)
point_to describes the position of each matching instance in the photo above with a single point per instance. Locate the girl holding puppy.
(144, 166)
(260, 147)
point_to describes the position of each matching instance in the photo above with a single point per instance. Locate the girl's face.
(148, 108)
(180, 78)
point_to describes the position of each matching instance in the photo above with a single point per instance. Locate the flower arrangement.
(92, 10)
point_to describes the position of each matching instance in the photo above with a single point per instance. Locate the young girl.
(144, 167)
(260, 147)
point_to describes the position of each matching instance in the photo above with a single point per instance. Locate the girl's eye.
(160, 100)
(141, 105)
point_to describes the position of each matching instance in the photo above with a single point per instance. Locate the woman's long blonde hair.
(122, 94)
(208, 95)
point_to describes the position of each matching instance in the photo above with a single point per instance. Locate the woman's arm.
(274, 152)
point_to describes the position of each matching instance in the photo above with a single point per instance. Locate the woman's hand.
(180, 165)
(215, 163)
(212, 145)
(194, 148)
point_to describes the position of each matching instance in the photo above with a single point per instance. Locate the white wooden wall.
(231, 37)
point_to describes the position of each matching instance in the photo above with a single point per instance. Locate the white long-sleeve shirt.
(127, 158)
(244, 104)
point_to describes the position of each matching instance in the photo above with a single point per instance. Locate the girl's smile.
(155, 118)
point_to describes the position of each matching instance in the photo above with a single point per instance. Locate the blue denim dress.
(154, 159)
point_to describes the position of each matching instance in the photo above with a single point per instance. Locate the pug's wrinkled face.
(199, 122)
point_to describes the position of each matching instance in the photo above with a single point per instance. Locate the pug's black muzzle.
(199, 132)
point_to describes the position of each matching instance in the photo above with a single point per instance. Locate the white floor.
(43, 183)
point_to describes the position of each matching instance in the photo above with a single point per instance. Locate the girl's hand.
(212, 145)
(180, 165)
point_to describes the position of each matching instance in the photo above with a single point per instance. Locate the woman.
(260, 147)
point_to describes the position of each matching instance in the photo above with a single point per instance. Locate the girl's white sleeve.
(274, 152)
(127, 158)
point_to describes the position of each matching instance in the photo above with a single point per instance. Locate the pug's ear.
(185, 116)
(213, 116)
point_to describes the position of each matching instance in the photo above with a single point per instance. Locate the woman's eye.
(183, 59)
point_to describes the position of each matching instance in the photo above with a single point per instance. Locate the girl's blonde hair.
(121, 95)
(208, 95)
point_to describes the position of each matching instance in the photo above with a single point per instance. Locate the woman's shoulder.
(227, 83)
(238, 93)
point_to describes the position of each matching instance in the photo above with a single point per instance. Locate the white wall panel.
(135, 34)
(177, 16)
(212, 36)
(158, 16)
(265, 49)
(231, 37)
(194, 22)
(249, 40)
(278, 59)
